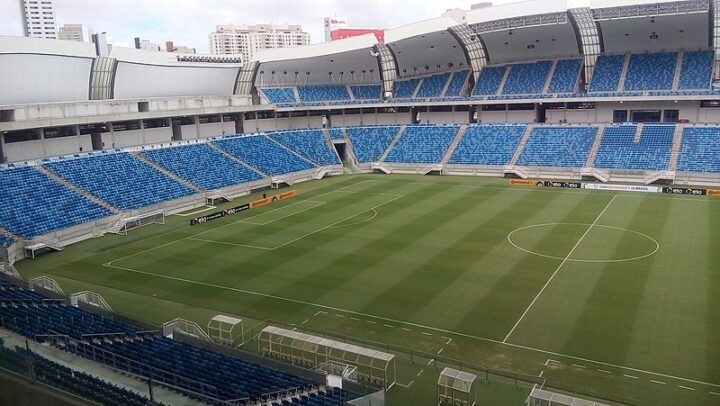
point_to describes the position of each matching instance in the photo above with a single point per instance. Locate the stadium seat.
(608, 70)
(263, 154)
(422, 144)
(566, 147)
(566, 75)
(433, 86)
(337, 134)
(651, 71)
(488, 144)
(457, 83)
(405, 89)
(310, 144)
(232, 378)
(696, 70)
(619, 150)
(33, 204)
(527, 78)
(489, 81)
(369, 143)
(6, 240)
(313, 93)
(202, 166)
(120, 179)
(700, 150)
(68, 380)
(279, 94)
(367, 92)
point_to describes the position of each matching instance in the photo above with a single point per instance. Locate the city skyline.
(158, 21)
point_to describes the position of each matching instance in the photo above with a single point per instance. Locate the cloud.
(188, 22)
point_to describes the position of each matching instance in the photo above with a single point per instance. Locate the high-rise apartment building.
(246, 40)
(71, 32)
(38, 18)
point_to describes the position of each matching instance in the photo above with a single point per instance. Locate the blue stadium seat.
(366, 92)
(36, 318)
(651, 71)
(337, 134)
(619, 150)
(422, 144)
(29, 314)
(68, 380)
(457, 83)
(488, 144)
(608, 71)
(313, 93)
(566, 147)
(433, 86)
(696, 70)
(231, 377)
(310, 144)
(32, 204)
(279, 94)
(405, 89)
(121, 180)
(700, 150)
(6, 240)
(263, 154)
(489, 81)
(369, 143)
(202, 166)
(527, 78)
(566, 75)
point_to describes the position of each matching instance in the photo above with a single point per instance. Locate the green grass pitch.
(612, 295)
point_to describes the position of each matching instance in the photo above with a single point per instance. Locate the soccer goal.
(125, 224)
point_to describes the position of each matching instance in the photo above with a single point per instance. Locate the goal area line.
(430, 328)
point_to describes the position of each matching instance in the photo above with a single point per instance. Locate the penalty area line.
(406, 323)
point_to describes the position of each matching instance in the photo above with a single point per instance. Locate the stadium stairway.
(329, 140)
(503, 81)
(551, 73)
(167, 173)
(595, 147)
(293, 152)
(623, 75)
(76, 188)
(447, 84)
(236, 159)
(392, 144)
(678, 70)
(677, 143)
(521, 146)
(453, 146)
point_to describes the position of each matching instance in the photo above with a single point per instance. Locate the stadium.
(522, 208)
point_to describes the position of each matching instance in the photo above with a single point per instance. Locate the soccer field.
(611, 295)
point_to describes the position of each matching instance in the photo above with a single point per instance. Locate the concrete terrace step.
(392, 144)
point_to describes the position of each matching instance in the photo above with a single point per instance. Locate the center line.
(558, 268)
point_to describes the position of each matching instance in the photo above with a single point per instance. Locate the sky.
(188, 22)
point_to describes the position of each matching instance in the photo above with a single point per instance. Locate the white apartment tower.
(71, 32)
(248, 39)
(38, 18)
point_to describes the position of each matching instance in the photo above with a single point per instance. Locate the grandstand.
(523, 199)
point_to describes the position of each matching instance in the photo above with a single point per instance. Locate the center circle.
(535, 240)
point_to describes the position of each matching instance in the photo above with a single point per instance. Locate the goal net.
(129, 223)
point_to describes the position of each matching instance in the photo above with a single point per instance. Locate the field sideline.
(610, 295)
